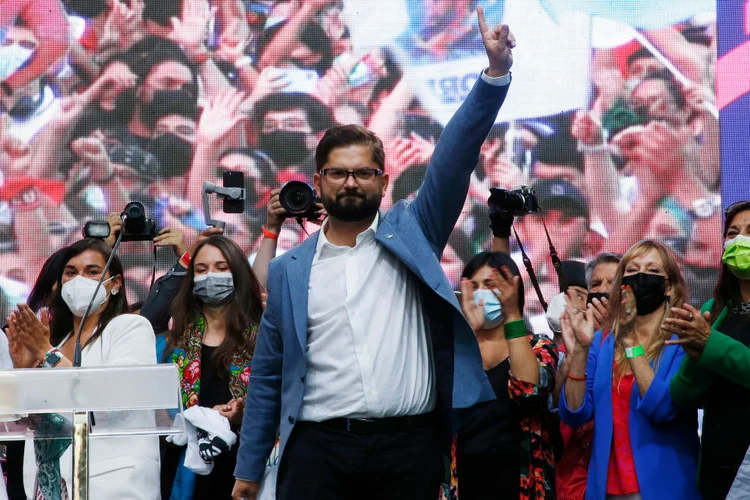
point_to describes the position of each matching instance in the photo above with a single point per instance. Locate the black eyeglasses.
(361, 176)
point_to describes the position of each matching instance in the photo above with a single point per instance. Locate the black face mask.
(175, 155)
(648, 290)
(596, 295)
(161, 101)
(285, 148)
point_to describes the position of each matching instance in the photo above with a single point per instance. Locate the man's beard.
(352, 205)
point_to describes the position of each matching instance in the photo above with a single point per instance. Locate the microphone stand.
(77, 352)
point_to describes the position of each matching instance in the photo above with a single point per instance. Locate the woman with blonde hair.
(645, 446)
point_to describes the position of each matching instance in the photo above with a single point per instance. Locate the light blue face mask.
(493, 313)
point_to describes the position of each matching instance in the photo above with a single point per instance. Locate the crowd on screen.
(109, 102)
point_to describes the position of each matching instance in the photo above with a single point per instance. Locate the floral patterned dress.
(539, 428)
(187, 357)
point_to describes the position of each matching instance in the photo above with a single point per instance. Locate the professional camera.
(137, 227)
(299, 200)
(517, 202)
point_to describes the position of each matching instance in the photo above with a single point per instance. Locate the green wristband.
(515, 329)
(634, 352)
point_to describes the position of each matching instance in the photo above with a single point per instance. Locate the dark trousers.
(489, 476)
(325, 463)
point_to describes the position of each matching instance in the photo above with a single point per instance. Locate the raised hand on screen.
(498, 42)
(218, 119)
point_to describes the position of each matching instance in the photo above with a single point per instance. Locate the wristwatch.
(53, 358)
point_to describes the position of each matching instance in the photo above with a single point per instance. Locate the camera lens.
(134, 210)
(297, 198)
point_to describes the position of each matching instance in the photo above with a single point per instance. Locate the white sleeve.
(498, 81)
(132, 341)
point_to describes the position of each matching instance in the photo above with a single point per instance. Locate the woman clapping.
(644, 446)
(716, 373)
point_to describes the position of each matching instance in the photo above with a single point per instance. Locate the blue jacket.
(663, 437)
(416, 233)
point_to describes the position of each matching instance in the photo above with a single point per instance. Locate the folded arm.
(656, 402)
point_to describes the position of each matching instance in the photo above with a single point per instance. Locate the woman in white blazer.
(119, 467)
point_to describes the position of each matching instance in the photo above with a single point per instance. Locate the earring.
(115, 291)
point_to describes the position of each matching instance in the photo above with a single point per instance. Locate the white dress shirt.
(369, 352)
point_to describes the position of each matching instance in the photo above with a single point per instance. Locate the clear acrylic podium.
(88, 403)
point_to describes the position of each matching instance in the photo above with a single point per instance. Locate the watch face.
(53, 359)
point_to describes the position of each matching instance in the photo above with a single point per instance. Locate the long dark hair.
(41, 293)
(727, 288)
(62, 319)
(244, 308)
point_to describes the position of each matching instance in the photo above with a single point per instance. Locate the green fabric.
(48, 450)
(515, 329)
(722, 357)
(694, 378)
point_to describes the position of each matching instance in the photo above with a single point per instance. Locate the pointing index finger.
(483, 28)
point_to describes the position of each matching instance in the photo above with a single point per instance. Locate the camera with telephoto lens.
(517, 202)
(299, 200)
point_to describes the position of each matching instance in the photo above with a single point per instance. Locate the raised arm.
(446, 183)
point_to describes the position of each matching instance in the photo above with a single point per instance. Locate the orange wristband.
(579, 379)
(270, 235)
(185, 260)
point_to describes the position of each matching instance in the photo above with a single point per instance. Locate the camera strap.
(301, 222)
(556, 262)
(530, 271)
(153, 270)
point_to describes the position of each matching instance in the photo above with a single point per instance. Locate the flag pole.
(710, 107)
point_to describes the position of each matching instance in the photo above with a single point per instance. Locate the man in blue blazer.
(363, 350)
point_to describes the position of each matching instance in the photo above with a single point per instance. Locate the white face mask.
(554, 310)
(11, 58)
(77, 294)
